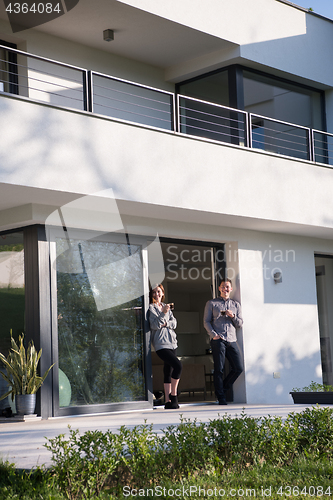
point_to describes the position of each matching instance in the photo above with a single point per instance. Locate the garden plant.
(228, 457)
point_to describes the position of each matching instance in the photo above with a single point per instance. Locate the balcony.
(51, 82)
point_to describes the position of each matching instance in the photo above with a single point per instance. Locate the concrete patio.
(22, 442)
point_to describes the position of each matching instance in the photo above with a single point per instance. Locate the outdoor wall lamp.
(108, 35)
(277, 277)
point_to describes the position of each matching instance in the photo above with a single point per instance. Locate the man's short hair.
(226, 280)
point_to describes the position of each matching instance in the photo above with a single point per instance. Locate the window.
(259, 93)
(8, 69)
(285, 101)
(12, 288)
(100, 324)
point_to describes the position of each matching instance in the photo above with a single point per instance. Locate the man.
(222, 317)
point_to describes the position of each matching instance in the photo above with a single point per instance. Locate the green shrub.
(242, 449)
(236, 441)
(140, 452)
(83, 464)
(186, 448)
(26, 485)
(315, 430)
(314, 387)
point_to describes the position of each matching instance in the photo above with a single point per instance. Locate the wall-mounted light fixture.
(108, 35)
(277, 277)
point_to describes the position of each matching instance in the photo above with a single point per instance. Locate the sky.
(322, 7)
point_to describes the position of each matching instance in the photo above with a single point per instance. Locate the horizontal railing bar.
(127, 93)
(41, 58)
(278, 136)
(132, 112)
(132, 83)
(29, 68)
(48, 83)
(321, 132)
(285, 147)
(214, 132)
(207, 114)
(45, 92)
(212, 104)
(212, 123)
(294, 125)
(132, 104)
(322, 142)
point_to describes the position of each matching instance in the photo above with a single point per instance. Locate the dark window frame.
(12, 68)
(236, 86)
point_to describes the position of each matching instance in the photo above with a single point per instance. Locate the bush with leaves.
(96, 462)
(186, 449)
(84, 464)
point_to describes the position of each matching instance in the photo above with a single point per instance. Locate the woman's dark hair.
(151, 299)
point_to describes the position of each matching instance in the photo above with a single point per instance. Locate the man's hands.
(230, 313)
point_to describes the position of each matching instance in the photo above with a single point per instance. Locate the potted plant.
(313, 394)
(22, 376)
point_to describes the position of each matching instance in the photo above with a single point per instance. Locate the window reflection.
(12, 290)
(100, 336)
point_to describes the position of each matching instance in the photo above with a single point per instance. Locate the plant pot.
(323, 398)
(25, 404)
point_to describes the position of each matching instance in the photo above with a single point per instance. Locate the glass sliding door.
(12, 288)
(100, 323)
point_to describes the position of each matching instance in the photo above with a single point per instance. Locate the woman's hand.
(166, 308)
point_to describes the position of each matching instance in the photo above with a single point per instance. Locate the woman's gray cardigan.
(162, 328)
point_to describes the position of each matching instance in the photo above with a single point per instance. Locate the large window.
(259, 93)
(8, 69)
(285, 101)
(99, 310)
(12, 289)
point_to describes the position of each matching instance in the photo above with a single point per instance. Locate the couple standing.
(222, 317)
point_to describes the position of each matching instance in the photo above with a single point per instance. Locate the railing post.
(90, 92)
(174, 113)
(177, 113)
(249, 127)
(311, 145)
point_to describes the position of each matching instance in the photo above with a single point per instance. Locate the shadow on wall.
(309, 44)
(291, 372)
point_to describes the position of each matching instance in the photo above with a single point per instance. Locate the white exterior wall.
(284, 38)
(67, 151)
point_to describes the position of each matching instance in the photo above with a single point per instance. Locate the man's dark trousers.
(222, 349)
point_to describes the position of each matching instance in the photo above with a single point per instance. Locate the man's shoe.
(222, 402)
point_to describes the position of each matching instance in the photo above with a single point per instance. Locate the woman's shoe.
(172, 404)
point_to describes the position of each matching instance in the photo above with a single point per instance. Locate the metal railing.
(43, 79)
(322, 147)
(212, 121)
(59, 84)
(131, 101)
(280, 137)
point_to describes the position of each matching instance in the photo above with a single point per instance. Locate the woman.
(162, 325)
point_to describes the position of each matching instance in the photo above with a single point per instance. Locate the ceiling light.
(108, 35)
